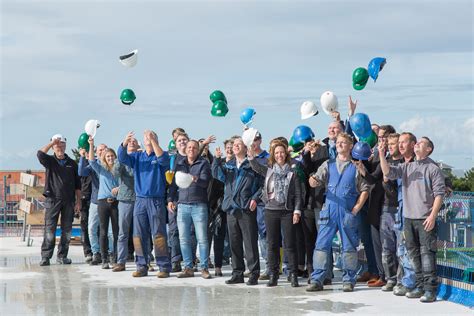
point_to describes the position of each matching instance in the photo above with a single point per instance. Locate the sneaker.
(388, 287)
(105, 265)
(415, 293)
(253, 280)
(218, 272)
(235, 279)
(163, 275)
(63, 261)
(400, 290)
(379, 283)
(347, 287)
(89, 258)
(314, 287)
(366, 276)
(205, 274)
(118, 267)
(428, 297)
(264, 277)
(176, 267)
(44, 262)
(96, 259)
(187, 273)
(140, 273)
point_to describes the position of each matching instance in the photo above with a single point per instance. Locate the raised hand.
(218, 152)
(352, 106)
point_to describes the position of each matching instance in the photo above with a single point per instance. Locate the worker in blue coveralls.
(149, 215)
(346, 193)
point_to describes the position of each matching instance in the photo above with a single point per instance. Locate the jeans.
(197, 214)
(108, 213)
(421, 246)
(405, 275)
(173, 237)
(149, 224)
(125, 216)
(262, 233)
(278, 223)
(54, 208)
(388, 236)
(93, 228)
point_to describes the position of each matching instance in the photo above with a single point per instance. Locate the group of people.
(294, 197)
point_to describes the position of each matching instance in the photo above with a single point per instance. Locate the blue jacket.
(241, 184)
(197, 191)
(148, 170)
(85, 170)
(107, 180)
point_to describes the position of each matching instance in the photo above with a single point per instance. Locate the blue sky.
(59, 68)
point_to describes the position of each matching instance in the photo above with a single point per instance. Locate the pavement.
(81, 289)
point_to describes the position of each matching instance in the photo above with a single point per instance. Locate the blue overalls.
(336, 215)
(408, 278)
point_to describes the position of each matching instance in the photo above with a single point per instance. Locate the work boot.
(253, 279)
(218, 272)
(205, 274)
(428, 297)
(187, 273)
(89, 258)
(273, 280)
(163, 275)
(400, 290)
(379, 283)
(415, 293)
(388, 287)
(44, 262)
(294, 280)
(63, 260)
(176, 267)
(264, 276)
(140, 273)
(347, 287)
(118, 267)
(96, 259)
(235, 279)
(315, 286)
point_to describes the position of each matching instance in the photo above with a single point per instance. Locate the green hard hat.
(83, 141)
(296, 146)
(219, 108)
(360, 76)
(171, 145)
(128, 96)
(371, 140)
(217, 95)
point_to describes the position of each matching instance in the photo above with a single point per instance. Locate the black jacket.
(197, 191)
(61, 180)
(241, 185)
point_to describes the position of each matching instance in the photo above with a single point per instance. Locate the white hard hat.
(130, 59)
(308, 109)
(329, 102)
(183, 180)
(91, 127)
(60, 137)
(248, 136)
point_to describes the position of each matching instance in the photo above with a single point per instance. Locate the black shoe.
(314, 287)
(273, 280)
(428, 297)
(235, 279)
(294, 280)
(44, 262)
(176, 267)
(89, 258)
(96, 259)
(253, 279)
(105, 265)
(63, 260)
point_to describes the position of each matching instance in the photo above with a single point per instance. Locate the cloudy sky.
(59, 68)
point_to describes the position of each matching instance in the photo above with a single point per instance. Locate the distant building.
(457, 220)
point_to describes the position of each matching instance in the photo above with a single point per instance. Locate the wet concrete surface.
(80, 289)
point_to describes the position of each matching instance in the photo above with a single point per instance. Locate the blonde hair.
(104, 162)
(346, 137)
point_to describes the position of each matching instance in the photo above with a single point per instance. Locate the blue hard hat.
(360, 125)
(375, 66)
(246, 116)
(361, 151)
(302, 134)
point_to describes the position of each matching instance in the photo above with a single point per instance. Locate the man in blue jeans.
(126, 200)
(192, 209)
(149, 216)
